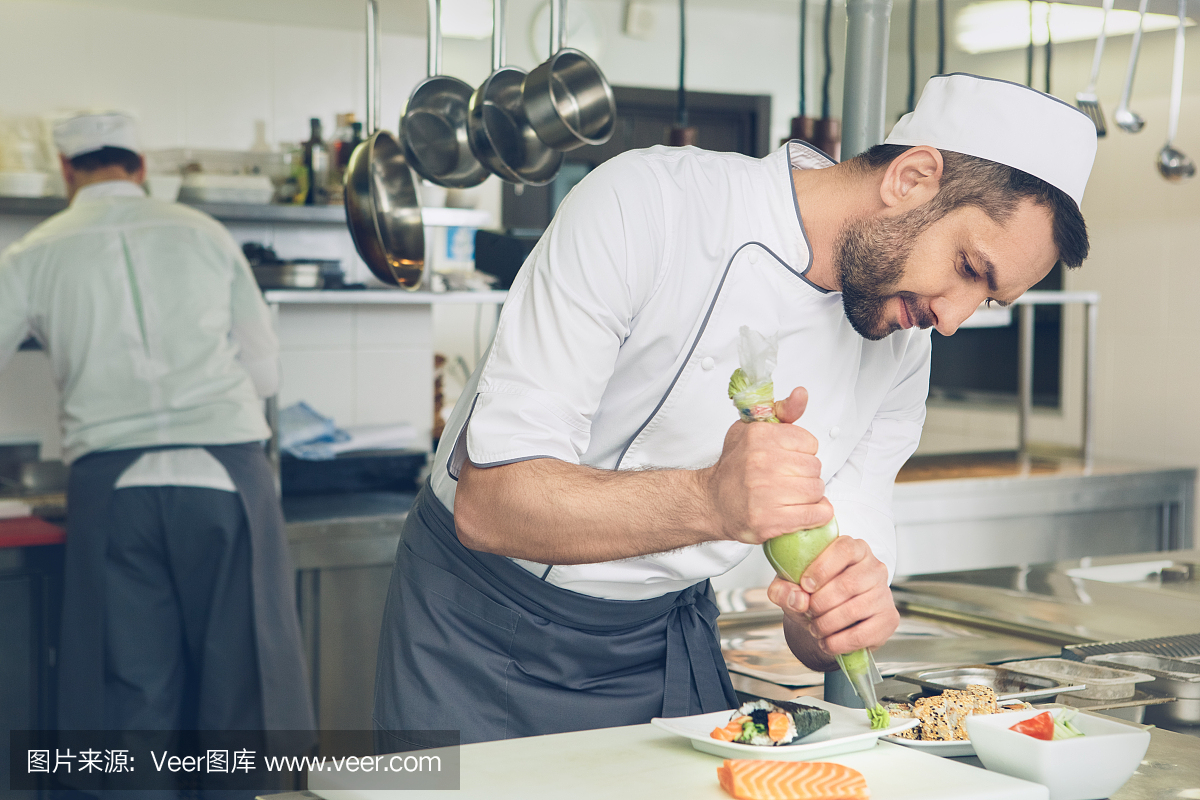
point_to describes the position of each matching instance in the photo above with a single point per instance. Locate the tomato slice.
(1039, 727)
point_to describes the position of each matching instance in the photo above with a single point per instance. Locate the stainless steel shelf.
(379, 297)
(261, 212)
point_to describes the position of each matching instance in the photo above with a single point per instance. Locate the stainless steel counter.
(1064, 602)
(345, 530)
(980, 510)
(343, 547)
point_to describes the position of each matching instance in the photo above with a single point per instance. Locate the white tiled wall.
(360, 364)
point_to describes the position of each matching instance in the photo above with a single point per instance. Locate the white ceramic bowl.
(23, 184)
(1088, 767)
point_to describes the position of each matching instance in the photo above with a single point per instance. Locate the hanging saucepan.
(567, 98)
(500, 134)
(382, 206)
(434, 125)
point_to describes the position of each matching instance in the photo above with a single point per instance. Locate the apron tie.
(694, 658)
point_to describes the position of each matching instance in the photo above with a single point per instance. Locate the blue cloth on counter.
(301, 428)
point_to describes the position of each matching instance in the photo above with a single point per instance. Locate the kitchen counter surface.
(1010, 464)
(644, 762)
(1067, 602)
(345, 530)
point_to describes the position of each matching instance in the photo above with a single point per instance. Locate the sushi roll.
(763, 723)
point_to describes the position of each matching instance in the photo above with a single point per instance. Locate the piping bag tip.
(863, 674)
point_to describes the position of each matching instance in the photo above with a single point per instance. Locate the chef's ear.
(912, 178)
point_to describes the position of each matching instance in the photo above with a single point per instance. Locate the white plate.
(943, 749)
(848, 730)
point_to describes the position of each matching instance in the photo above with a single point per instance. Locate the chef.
(593, 477)
(179, 606)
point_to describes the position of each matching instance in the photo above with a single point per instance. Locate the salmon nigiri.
(791, 780)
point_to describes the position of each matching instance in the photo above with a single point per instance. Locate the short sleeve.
(569, 311)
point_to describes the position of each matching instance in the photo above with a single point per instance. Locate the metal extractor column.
(865, 93)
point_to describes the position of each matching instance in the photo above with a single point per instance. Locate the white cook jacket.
(155, 327)
(618, 337)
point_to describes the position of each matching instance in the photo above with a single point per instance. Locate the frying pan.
(382, 207)
(499, 132)
(567, 99)
(434, 125)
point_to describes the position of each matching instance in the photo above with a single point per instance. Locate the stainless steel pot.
(567, 99)
(433, 127)
(500, 134)
(382, 206)
(287, 275)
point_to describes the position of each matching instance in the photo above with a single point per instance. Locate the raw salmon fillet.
(791, 780)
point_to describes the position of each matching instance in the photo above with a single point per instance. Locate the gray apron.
(472, 642)
(286, 702)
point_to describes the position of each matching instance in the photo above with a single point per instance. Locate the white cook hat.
(1006, 123)
(90, 132)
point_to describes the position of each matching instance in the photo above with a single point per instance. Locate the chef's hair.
(130, 161)
(996, 190)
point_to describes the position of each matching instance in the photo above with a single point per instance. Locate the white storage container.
(204, 187)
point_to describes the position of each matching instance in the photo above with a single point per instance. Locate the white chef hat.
(1006, 123)
(90, 132)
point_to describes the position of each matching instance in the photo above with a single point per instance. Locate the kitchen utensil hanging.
(1087, 101)
(827, 131)
(383, 209)
(433, 127)
(1130, 121)
(681, 134)
(1172, 164)
(802, 125)
(567, 99)
(499, 131)
(912, 57)
(1046, 87)
(941, 37)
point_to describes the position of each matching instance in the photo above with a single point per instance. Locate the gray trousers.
(179, 643)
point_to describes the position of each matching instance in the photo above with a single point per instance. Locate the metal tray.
(1184, 646)
(1172, 676)
(1008, 684)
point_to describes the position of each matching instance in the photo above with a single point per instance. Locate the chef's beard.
(869, 257)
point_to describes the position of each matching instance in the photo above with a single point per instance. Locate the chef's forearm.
(805, 647)
(551, 512)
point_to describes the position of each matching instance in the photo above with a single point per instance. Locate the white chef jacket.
(155, 328)
(618, 337)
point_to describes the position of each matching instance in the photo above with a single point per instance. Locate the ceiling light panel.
(996, 25)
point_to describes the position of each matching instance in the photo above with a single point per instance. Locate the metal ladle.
(1131, 121)
(1172, 164)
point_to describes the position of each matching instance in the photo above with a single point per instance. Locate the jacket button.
(753, 256)
(707, 363)
(834, 431)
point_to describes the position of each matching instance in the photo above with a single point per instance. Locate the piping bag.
(753, 393)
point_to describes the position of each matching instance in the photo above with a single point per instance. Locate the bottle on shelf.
(346, 137)
(316, 164)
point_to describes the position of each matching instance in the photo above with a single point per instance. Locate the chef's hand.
(767, 481)
(842, 603)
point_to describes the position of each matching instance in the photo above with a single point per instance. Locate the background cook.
(179, 608)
